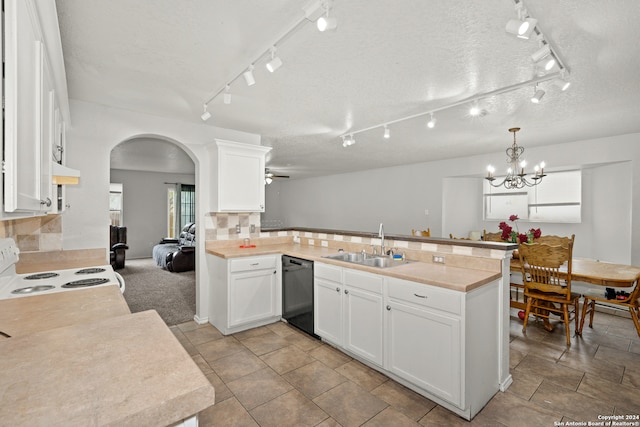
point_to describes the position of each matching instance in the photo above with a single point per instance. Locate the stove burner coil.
(32, 289)
(92, 270)
(39, 276)
(85, 283)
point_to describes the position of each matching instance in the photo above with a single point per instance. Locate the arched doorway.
(157, 178)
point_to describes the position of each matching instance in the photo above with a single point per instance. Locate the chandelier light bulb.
(523, 163)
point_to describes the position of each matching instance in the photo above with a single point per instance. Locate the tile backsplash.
(222, 226)
(41, 233)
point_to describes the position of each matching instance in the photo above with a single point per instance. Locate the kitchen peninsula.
(439, 328)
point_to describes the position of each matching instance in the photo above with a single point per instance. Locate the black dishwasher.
(297, 293)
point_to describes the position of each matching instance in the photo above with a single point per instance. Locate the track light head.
(206, 115)
(348, 140)
(387, 132)
(544, 57)
(326, 22)
(432, 121)
(561, 83)
(227, 95)
(527, 29)
(248, 76)
(275, 62)
(537, 96)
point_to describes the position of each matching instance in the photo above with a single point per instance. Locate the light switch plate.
(252, 228)
(238, 228)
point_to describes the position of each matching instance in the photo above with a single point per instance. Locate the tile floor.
(277, 376)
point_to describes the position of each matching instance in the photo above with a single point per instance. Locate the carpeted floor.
(149, 287)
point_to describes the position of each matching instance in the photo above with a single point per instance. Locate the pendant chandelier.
(516, 177)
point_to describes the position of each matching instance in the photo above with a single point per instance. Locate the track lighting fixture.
(275, 61)
(432, 121)
(561, 83)
(227, 95)
(524, 26)
(248, 76)
(387, 132)
(326, 22)
(206, 115)
(348, 140)
(544, 57)
(537, 96)
(475, 111)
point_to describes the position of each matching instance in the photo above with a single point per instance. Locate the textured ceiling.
(385, 61)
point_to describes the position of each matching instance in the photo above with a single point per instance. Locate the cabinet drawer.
(367, 281)
(328, 272)
(253, 263)
(425, 295)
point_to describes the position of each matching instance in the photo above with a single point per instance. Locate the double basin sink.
(369, 260)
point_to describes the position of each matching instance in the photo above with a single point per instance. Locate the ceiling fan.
(268, 176)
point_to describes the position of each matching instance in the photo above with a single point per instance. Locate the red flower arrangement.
(509, 235)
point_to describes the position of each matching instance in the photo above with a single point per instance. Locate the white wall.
(144, 207)
(398, 196)
(94, 131)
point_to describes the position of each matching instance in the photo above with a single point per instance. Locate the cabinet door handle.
(275, 271)
(388, 308)
(255, 263)
(420, 296)
(346, 291)
(337, 289)
(46, 202)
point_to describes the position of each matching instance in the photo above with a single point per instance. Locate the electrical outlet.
(252, 228)
(312, 242)
(325, 244)
(238, 228)
(296, 239)
(438, 259)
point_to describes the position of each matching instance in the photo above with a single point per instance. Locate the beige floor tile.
(202, 364)
(329, 422)
(570, 403)
(258, 387)
(613, 355)
(191, 325)
(631, 376)
(265, 343)
(287, 359)
(439, 417)
(281, 328)
(222, 391)
(362, 375)
(350, 404)
(303, 341)
(237, 365)
(330, 356)
(555, 373)
(214, 350)
(607, 340)
(635, 347)
(515, 357)
(202, 335)
(524, 384)
(250, 333)
(314, 379)
(291, 409)
(406, 401)
(228, 413)
(619, 395)
(184, 341)
(511, 410)
(629, 331)
(587, 363)
(545, 350)
(391, 417)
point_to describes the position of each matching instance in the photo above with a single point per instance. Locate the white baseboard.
(200, 320)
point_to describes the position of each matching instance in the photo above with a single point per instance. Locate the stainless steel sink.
(367, 259)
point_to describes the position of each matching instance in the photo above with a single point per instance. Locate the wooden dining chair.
(423, 233)
(451, 236)
(545, 291)
(630, 302)
(492, 237)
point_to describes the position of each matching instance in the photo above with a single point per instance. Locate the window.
(181, 208)
(557, 199)
(115, 204)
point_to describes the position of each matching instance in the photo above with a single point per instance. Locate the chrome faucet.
(381, 235)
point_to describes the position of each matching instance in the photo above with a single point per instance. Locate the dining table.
(601, 273)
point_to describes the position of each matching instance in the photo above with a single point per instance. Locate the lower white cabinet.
(245, 292)
(440, 343)
(348, 307)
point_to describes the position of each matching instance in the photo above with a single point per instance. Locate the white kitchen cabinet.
(363, 315)
(327, 302)
(424, 348)
(31, 96)
(239, 177)
(348, 310)
(245, 292)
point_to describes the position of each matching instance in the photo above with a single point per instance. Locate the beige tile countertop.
(455, 278)
(120, 371)
(33, 262)
(34, 313)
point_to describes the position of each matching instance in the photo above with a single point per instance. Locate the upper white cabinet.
(32, 95)
(239, 177)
